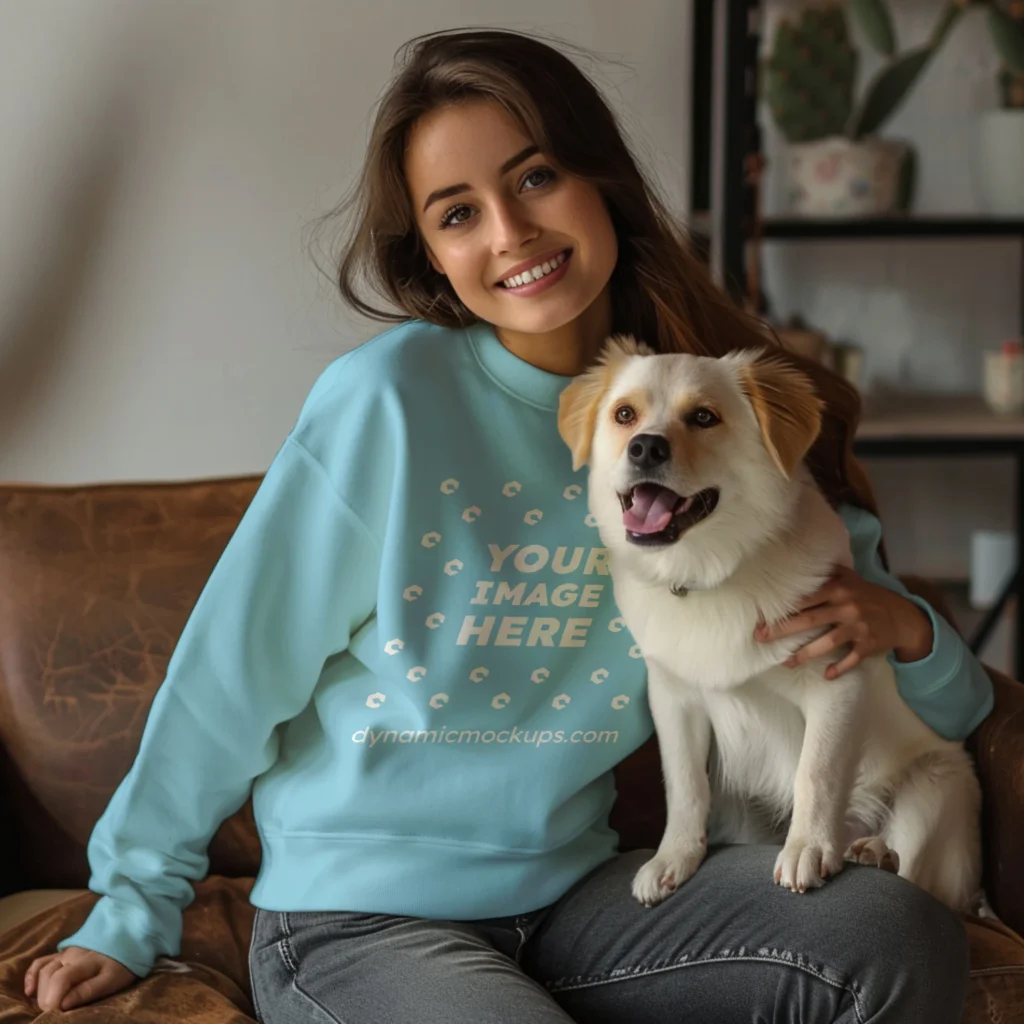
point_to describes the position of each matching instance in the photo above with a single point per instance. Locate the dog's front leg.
(824, 777)
(684, 737)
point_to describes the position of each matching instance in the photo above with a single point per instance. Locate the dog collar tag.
(679, 590)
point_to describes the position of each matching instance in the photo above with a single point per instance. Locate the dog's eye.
(625, 414)
(702, 418)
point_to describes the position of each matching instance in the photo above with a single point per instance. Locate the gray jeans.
(729, 946)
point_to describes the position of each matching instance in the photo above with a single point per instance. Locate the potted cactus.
(836, 164)
(1000, 150)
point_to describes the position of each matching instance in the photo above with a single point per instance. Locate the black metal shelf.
(893, 227)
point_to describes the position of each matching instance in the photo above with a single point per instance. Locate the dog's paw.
(665, 872)
(873, 851)
(803, 865)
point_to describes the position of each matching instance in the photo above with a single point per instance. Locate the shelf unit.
(726, 49)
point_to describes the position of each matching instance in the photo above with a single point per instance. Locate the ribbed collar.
(515, 375)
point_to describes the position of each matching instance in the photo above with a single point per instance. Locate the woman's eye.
(703, 418)
(624, 414)
(547, 173)
(452, 219)
(449, 217)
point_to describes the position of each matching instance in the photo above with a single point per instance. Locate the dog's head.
(694, 461)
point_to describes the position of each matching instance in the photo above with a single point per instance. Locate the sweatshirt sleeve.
(295, 581)
(948, 688)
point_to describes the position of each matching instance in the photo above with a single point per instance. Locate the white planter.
(837, 177)
(999, 163)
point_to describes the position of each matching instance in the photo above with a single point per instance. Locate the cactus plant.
(809, 77)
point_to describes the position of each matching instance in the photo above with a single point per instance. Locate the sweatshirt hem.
(439, 880)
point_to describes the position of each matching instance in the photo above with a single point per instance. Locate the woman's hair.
(660, 291)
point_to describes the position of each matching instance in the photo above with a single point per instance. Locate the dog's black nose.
(649, 450)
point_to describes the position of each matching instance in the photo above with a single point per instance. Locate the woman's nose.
(513, 228)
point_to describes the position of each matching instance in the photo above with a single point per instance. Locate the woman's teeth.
(535, 273)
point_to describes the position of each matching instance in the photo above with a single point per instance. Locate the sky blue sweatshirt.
(410, 653)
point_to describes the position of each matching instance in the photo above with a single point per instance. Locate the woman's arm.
(296, 579)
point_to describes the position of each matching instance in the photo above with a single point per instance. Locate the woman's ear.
(787, 408)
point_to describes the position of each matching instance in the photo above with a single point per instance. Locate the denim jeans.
(728, 946)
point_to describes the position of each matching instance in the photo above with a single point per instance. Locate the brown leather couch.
(96, 583)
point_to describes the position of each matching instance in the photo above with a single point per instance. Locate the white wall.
(159, 318)
(922, 310)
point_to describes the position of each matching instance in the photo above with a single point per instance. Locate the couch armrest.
(998, 749)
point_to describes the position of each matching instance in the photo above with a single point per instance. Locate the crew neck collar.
(524, 380)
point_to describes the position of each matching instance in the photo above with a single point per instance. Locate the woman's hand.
(870, 618)
(74, 977)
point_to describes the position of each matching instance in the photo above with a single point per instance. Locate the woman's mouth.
(538, 278)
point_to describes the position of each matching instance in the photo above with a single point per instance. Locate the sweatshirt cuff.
(104, 933)
(939, 666)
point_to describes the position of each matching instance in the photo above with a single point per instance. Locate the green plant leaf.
(1008, 36)
(888, 90)
(875, 22)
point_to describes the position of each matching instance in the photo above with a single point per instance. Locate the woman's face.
(487, 202)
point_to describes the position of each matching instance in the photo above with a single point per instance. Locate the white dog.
(712, 523)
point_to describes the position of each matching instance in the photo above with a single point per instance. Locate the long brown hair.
(660, 291)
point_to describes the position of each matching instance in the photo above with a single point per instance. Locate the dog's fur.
(754, 751)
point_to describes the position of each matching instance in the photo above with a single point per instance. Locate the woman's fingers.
(832, 640)
(822, 615)
(852, 660)
(55, 984)
(47, 971)
(32, 974)
(91, 988)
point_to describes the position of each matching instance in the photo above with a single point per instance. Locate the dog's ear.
(579, 402)
(787, 408)
(577, 413)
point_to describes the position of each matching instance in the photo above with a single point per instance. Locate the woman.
(410, 651)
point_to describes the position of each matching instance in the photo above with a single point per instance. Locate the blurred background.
(853, 171)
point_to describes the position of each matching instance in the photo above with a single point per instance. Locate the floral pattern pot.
(837, 177)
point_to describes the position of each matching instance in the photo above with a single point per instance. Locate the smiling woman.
(420, 561)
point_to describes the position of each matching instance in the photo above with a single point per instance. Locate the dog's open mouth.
(653, 514)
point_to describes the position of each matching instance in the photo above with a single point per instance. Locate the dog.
(713, 524)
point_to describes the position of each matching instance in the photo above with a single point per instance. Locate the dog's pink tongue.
(651, 510)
